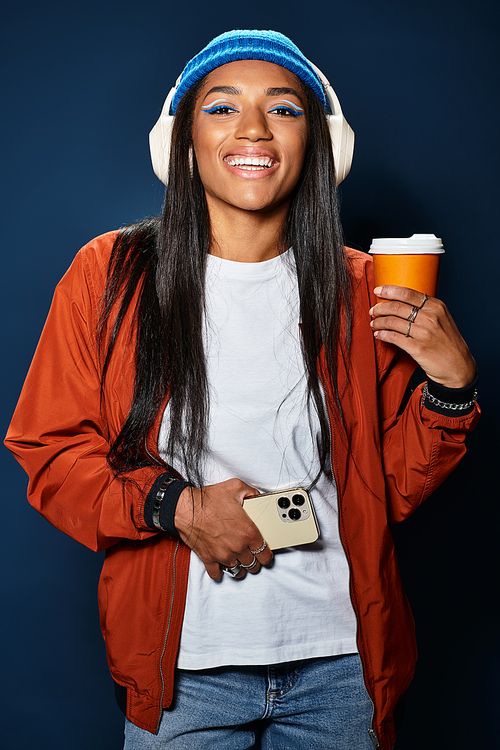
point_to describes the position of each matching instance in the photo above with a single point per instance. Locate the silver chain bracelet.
(443, 405)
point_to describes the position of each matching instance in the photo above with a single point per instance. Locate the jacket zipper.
(166, 637)
(162, 676)
(371, 731)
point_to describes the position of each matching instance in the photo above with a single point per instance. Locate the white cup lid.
(421, 244)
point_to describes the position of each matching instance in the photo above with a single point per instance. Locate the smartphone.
(285, 518)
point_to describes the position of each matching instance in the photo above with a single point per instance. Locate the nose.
(253, 126)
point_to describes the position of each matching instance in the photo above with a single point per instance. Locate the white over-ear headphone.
(341, 134)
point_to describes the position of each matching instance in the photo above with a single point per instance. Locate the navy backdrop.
(83, 84)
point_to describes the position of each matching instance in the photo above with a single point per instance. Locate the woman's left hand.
(426, 332)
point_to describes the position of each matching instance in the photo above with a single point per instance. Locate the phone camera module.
(283, 502)
(294, 514)
(298, 500)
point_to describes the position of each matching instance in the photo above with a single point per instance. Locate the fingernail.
(370, 312)
(377, 290)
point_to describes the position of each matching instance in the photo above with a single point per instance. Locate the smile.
(249, 163)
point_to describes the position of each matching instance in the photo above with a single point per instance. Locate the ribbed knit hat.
(270, 46)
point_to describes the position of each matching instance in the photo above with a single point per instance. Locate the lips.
(250, 161)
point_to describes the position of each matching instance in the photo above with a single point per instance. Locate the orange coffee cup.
(408, 261)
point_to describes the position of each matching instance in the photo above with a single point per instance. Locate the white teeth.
(248, 161)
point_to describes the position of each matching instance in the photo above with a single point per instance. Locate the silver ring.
(234, 570)
(261, 549)
(423, 301)
(412, 316)
(252, 564)
(408, 331)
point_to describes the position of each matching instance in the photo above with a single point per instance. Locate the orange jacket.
(61, 433)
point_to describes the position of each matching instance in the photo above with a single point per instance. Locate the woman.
(229, 348)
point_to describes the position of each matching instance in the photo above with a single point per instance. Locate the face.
(250, 134)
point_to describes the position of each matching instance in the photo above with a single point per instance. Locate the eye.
(219, 109)
(285, 112)
(292, 110)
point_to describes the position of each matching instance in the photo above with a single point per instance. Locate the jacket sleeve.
(420, 447)
(61, 432)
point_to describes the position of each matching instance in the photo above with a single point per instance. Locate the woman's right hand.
(212, 522)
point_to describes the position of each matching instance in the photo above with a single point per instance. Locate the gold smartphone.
(285, 518)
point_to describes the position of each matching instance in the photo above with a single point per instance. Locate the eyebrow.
(282, 92)
(231, 90)
(234, 91)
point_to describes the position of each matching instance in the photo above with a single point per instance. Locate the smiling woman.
(232, 349)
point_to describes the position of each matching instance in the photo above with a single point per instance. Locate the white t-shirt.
(261, 432)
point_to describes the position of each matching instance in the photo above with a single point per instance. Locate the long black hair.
(164, 259)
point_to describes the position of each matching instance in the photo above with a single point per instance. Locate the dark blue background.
(84, 83)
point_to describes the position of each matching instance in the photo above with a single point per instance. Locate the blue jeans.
(315, 703)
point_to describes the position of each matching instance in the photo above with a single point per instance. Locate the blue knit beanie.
(270, 46)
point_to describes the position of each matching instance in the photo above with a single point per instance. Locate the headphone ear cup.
(342, 137)
(341, 133)
(160, 139)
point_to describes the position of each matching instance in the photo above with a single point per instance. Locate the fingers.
(407, 326)
(249, 561)
(391, 319)
(401, 315)
(214, 570)
(401, 293)
(263, 553)
(242, 490)
(213, 523)
(401, 302)
(252, 559)
(423, 327)
(252, 567)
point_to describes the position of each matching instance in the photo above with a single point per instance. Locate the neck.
(246, 236)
